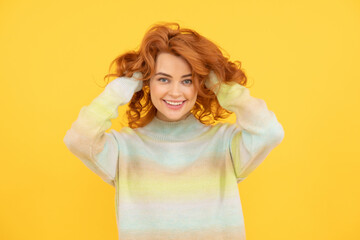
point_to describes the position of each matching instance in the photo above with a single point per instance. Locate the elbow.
(278, 134)
(72, 142)
(68, 140)
(78, 144)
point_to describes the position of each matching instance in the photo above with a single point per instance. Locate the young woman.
(176, 173)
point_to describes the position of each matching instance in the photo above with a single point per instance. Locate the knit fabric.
(175, 180)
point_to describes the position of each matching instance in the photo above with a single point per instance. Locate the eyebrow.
(160, 73)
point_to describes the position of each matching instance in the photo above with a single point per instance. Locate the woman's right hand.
(136, 76)
(125, 87)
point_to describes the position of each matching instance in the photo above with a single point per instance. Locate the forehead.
(167, 62)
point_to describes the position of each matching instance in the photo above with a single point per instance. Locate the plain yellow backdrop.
(301, 57)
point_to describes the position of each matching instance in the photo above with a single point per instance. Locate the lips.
(174, 101)
(175, 107)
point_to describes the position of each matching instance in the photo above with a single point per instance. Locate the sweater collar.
(177, 131)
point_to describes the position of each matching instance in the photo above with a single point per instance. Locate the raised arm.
(258, 130)
(87, 138)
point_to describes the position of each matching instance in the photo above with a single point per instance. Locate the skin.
(172, 82)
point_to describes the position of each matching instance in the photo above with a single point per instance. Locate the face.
(171, 88)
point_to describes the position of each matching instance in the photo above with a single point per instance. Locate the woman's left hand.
(212, 82)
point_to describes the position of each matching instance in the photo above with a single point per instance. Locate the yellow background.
(301, 57)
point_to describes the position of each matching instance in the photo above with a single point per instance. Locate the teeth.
(174, 103)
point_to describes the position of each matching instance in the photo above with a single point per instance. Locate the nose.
(175, 90)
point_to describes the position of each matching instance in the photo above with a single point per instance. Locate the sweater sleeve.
(87, 138)
(257, 128)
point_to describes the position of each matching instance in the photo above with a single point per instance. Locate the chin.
(171, 118)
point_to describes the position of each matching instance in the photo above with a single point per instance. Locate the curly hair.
(200, 53)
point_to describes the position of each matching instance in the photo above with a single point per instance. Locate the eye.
(188, 81)
(162, 79)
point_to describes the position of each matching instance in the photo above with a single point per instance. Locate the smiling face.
(171, 88)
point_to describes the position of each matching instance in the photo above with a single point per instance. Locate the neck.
(162, 118)
(181, 130)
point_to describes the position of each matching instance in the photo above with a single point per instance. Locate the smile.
(174, 105)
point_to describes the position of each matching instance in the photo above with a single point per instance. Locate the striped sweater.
(175, 180)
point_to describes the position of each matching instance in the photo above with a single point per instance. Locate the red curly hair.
(199, 52)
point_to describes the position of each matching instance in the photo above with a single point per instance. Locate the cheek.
(156, 91)
(192, 93)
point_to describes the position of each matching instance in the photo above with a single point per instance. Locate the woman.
(175, 173)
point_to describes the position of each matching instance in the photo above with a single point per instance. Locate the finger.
(137, 75)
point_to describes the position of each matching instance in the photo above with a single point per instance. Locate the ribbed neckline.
(181, 130)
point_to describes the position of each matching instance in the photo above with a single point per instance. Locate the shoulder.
(124, 133)
(225, 126)
(225, 129)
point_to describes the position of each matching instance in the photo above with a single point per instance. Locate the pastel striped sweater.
(175, 180)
